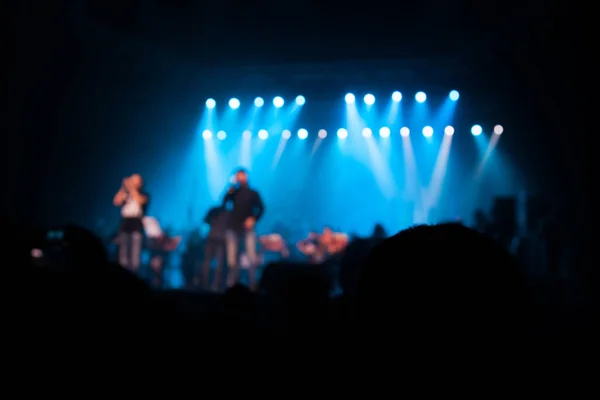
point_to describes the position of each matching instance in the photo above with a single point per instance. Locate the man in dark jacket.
(245, 209)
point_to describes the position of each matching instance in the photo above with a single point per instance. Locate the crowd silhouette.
(443, 283)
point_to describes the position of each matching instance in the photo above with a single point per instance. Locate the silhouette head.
(443, 276)
(379, 232)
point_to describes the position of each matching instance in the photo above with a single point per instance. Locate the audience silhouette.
(437, 284)
(444, 279)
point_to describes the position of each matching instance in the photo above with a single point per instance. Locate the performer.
(246, 208)
(274, 243)
(160, 248)
(319, 247)
(214, 249)
(133, 201)
(333, 242)
(311, 248)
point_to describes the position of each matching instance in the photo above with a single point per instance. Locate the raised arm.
(120, 197)
(228, 197)
(209, 216)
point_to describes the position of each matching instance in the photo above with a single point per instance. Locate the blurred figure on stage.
(161, 248)
(214, 248)
(133, 202)
(379, 232)
(311, 248)
(191, 258)
(274, 243)
(333, 242)
(245, 208)
(319, 247)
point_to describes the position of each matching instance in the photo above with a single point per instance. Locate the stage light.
(322, 133)
(278, 102)
(263, 134)
(349, 98)
(428, 131)
(476, 130)
(384, 132)
(420, 97)
(221, 135)
(210, 103)
(302, 133)
(449, 131)
(498, 129)
(206, 134)
(404, 132)
(367, 132)
(234, 103)
(342, 133)
(300, 100)
(369, 99)
(397, 97)
(247, 134)
(259, 102)
(286, 134)
(454, 95)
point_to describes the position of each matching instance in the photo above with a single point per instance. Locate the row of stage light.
(350, 98)
(342, 133)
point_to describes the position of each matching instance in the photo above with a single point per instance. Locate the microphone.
(233, 185)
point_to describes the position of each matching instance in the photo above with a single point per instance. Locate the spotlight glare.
(476, 130)
(221, 135)
(428, 131)
(263, 134)
(367, 132)
(302, 133)
(404, 132)
(206, 134)
(234, 103)
(322, 134)
(384, 132)
(247, 134)
(498, 129)
(278, 102)
(454, 95)
(449, 130)
(397, 97)
(369, 99)
(286, 134)
(259, 102)
(211, 103)
(420, 97)
(350, 98)
(342, 133)
(300, 100)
